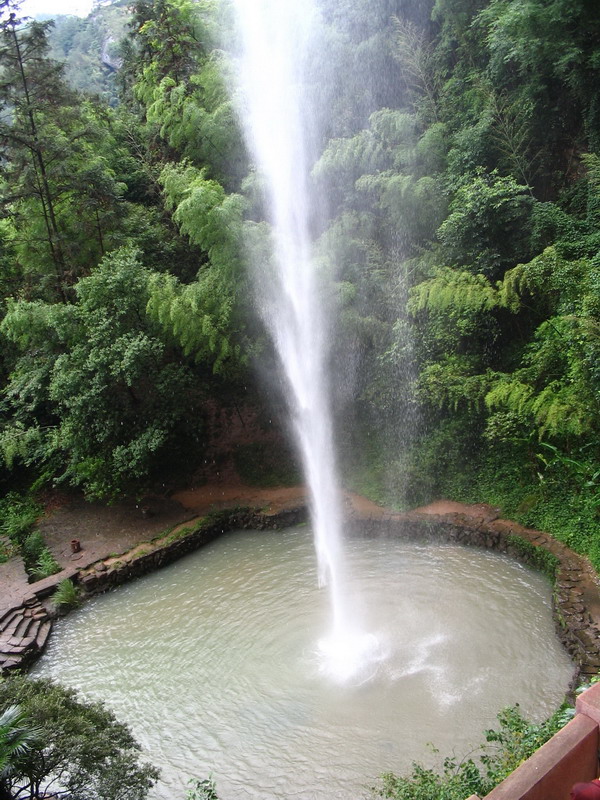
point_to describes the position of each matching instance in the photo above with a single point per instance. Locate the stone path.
(23, 634)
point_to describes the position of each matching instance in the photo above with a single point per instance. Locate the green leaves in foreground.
(506, 747)
(79, 748)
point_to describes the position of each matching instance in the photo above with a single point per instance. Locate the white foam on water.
(350, 658)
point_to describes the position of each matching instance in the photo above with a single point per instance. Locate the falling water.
(279, 121)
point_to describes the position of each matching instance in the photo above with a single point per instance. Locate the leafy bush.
(82, 750)
(202, 790)
(32, 548)
(45, 565)
(39, 561)
(505, 748)
(18, 515)
(66, 595)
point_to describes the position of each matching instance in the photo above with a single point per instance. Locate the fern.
(450, 384)
(510, 394)
(453, 290)
(559, 410)
(547, 274)
(198, 316)
(556, 409)
(344, 160)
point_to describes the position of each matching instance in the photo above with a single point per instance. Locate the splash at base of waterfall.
(350, 658)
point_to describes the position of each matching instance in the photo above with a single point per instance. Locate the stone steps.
(24, 632)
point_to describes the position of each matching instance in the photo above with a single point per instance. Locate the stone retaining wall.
(578, 630)
(575, 584)
(107, 574)
(576, 598)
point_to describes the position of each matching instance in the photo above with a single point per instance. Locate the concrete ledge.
(570, 756)
(588, 703)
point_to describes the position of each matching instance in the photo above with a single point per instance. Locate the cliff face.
(108, 56)
(89, 47)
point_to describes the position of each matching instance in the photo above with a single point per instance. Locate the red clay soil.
(211, 497)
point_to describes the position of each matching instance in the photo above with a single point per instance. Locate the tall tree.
(30, 90)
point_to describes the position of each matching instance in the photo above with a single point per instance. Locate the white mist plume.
(278, 118)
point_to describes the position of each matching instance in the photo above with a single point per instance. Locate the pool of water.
(213, 662)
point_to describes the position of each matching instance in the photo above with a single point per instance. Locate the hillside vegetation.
(461, 159)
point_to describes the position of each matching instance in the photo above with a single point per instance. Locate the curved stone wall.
(576, 598)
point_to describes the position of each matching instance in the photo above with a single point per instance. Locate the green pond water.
(213, 661)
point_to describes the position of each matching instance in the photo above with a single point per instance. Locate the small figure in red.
(586, 791)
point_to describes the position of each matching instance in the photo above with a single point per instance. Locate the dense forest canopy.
(461, 161)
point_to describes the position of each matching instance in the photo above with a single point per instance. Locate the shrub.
(32, 548)
(83, 751)
(45, 565)
(18, 515)
(67, 595)
(202, 790)
(503, 751)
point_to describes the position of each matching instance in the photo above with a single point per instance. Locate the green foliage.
(201, 314)
(18, 737)
(45, 566)
(506, 747)
(90, 48)
(202, 790)
(39, 561)
(453, 290)
(18, 514)
(81, 748)
(32, 548)
(181, 83)
(266, 464)
(115, 391)
(451, 383)
(59, 184)
(487, 229)
(66, 595)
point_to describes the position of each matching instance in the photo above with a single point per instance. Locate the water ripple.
(212, 662)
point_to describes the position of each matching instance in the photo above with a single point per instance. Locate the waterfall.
(280, 124)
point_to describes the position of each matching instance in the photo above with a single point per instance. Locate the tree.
(180, 81)
(30, 88)
(81, 751)
(98, 396)
(489, 225)
(58, 183)
(17, 740)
